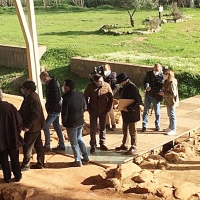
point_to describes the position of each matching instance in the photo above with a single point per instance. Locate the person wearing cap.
(131, 113)
(10, 140)
(99, 99)
(110, 77)
(164, 68)
(73, 108)
(153, 83)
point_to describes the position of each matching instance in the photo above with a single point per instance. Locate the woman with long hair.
(171, 99)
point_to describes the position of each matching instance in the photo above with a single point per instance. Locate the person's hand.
(125, 109)
(148, 89)
(26, 129)
(161, 93)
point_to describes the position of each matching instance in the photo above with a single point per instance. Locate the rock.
(144, 176)
(165, 192)
(173, 157)
(126, 170)
(146, 187)
(151, 162)
(184, 148)
(186, 190)
(17, 192)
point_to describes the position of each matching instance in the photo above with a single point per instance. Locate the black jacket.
(155, 82)
(53, 96)
(10, 127)
(73, 108)
(130, 91)
(32, 113)
(112, 79)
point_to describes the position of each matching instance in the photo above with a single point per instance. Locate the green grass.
(77, 30)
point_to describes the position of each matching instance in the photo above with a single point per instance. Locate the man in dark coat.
(33, 122)
(153, 83)
(73, 108)
(131, 113)
(10, 139)
(99, 99)
(53, 108)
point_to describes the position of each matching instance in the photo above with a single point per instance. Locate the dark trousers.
(132, 131)
(94, 116)
(15, 165)
(33, 139)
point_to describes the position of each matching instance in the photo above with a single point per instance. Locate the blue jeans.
(172, 117)
(77, 143)
(53, 118)
(156, 106)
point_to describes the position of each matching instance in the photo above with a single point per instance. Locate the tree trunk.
(132, 21)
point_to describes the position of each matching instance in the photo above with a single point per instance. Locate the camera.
(96, 70)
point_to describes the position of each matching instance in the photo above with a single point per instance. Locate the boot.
(108, 127)
(113, 127)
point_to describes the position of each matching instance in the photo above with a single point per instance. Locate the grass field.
(176, 45)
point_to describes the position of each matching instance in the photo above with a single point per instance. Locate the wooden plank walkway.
(188, 120)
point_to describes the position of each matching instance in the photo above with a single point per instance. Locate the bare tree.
(79, 3)
(130, 6)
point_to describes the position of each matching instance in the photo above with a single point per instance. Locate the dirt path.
(58, 181)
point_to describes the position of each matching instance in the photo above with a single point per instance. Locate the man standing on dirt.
(33, 122)
(10, 128)
(99, 99)
(53, 108)
(73, 108)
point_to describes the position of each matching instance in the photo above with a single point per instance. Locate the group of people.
(97, 100)
(160, 83)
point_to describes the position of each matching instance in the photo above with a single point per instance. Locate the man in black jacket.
(10, 127)
(53, 108)
(73, 108)
(153, 83)
(131, 113)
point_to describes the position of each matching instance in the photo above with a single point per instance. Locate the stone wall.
(82, 67)
(14, 56)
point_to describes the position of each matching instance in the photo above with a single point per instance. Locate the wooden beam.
(33, 33)
(30, 40)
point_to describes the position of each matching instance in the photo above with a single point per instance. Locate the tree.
(129, 5)
(79, 3)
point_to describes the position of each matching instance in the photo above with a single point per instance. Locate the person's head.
(44, 77)
(168, 75)
(98, 80)
(1, 95)
(107, 69)
(28, 87)
(164, 68)
(68, 85)
(157, 68)
(122, 79)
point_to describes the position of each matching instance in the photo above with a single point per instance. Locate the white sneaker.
(171, 132)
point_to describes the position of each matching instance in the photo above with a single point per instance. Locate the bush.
(189, 84)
